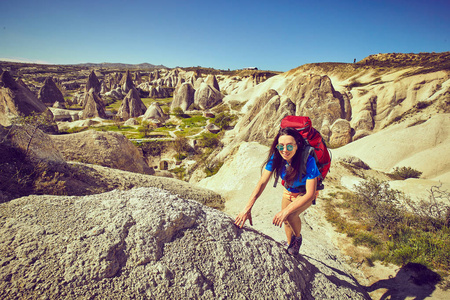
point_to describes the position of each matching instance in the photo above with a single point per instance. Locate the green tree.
(181, 146)
(223, 120)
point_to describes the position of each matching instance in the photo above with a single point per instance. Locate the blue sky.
(271, 35)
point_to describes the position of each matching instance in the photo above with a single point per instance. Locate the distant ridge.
(121, 66)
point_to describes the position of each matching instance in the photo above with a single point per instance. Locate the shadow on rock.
(412, 280)
(320, 273)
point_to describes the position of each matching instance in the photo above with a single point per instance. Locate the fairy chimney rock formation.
(127, 82)
(183, 96)
(155, 111)
(49, 93)
(207, 97)
(132, 106)
(16, 99)
(211, 80)
(94, 106)
(93, 83)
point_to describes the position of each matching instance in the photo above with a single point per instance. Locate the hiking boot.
(294, 246)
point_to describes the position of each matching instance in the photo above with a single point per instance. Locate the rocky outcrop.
(49, 93)
(37, 145)
(16, 99)
(107, 149)
(183, 96)
(131, 122)
(154, 111)
(132, 106)
(138, 78)
(158, 92)
(341, 133)
(116, 93)
(206, 96)
(213, 128)
(265, 125)
(261, 122)
(314, 96)
(65, 115)
(148, 244)
(93, 83)
(94, 106)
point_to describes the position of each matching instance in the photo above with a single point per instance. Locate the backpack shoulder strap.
(276, 181)
(307, 151)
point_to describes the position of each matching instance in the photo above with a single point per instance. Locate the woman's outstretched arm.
(246, 214)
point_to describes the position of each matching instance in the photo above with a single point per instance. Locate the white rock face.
(206, 96)
(148, 244)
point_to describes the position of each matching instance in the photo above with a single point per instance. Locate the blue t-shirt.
(311, 172)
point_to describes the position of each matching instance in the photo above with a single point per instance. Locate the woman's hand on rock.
(242, 217)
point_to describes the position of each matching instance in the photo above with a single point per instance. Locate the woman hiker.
(285, 160)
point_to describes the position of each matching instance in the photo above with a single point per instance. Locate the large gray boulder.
(49, 93)
(109, 149)
(147, 244)
(341, 133)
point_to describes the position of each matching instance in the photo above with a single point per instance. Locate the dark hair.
(294, 169)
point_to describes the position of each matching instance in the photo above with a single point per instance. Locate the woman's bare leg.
(293, 224)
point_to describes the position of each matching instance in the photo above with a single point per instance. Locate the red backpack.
(315, 144)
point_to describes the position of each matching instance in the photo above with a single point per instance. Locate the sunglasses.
(288, 147)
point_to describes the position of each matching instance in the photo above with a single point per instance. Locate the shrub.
(48, 181)
(151, 148)
(145, 129)
(209, 140)
(180, 145)
(380, 203)
(433, 213)
(406, 172)
(212, 169)
(223, 120)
